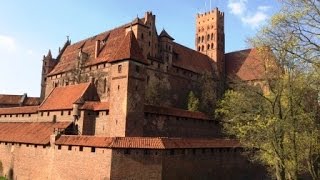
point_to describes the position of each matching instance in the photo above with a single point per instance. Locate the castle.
(113, 107)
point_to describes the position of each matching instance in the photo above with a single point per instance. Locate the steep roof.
(191, 60)
(165, 34)
(19, 110)
(146, 142)
(31, 133)
(244, 65)
(64, 97)
(130, 49)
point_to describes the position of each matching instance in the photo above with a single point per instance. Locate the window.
(149, 33)
(137, 69)
(208, 46)
(199, 38)
(127, 151)
(59, 147)
(199, 48)
(81, 148)
(142, 36)
(104, 85)
(119, 68)
(211, 45)
(48, 113)
(41, 113)
(202, 48)
(208, 37)
(202, 38)
(61, 113)
(149, 43)
(69, 148)
(93, 149)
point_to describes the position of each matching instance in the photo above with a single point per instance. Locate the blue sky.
(28, 29)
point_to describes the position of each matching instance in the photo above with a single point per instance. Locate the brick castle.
(113, 107)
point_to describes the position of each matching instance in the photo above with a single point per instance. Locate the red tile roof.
(19, 110)
(129, 49)
(191, 60)
(10, 99)
(146, 142)
(16, 100)
(63, 97)
(31, 101)
(109, 45)
(95, 105)
(244, 65)
(31, 133)
(174, 112)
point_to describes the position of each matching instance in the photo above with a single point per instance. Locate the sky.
(28, 29)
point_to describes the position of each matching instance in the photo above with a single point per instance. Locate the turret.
(166, 47)
(48, 64)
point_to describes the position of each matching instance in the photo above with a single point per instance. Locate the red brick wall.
(51, 163)
(170, 126)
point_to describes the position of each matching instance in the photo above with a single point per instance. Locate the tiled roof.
(244, 65)
(63, 97)
(31, 101)
(31, 133)
(191, 60)
(19, 110)
(130, 49)
(95, 105)
(10, 99)
(146, 142)
(16, 100)
(174, 112)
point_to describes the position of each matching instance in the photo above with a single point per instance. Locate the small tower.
(166, 47)
(127, 89)
(47, 65)
(210, 37)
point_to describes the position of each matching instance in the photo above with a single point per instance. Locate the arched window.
(199, 38)
(208, 37)
(199, 48)
(202, 48)
(212, 36)
(208, 46)
(202, 38)
(211, 45)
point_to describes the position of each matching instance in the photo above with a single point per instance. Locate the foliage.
(3, 178)
(282, 125)
(193, 102)
(157, 93)
(208, 94)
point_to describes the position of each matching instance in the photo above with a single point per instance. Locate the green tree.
(281, 126)
(157, 93)
(193, 102)
(208, 94)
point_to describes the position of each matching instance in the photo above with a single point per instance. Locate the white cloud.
(256, 20)
(237, 7)
(7, 43)
(252, 19)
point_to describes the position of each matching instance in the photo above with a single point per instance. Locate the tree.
(281, 126)
(208, 93)
(193, 102)
(157, 93)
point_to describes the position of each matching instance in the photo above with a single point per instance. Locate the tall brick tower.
(210, 37)
(127, 89)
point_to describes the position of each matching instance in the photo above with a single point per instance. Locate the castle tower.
(47, 65)
(210, 37)
(127, 89)
(166, 47)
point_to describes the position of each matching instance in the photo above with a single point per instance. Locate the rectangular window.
(119, 68)
(81, 148)
(69, 148)
(93, 149)
(59, 147)
(61, 113)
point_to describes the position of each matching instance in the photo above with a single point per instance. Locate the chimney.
(97, 48)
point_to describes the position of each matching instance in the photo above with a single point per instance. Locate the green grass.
(3, 178)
